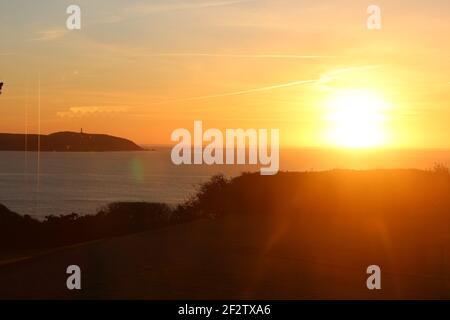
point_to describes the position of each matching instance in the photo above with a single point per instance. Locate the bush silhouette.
(353, 202)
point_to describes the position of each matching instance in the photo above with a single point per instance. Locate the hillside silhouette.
(289, 236)
(65, 142)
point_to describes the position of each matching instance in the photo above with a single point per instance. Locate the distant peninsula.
(66, 142)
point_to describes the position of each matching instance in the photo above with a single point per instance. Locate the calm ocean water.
(62, 183)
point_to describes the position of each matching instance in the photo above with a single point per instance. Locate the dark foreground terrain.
(65, 142)
(290, 236)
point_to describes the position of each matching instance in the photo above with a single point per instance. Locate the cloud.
(79, 112)
(48, 35)
(244, 56)
(176, 6)
(166, 6)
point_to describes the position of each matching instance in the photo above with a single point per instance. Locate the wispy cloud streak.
(220, 55)
(48, 35)
(166, 6)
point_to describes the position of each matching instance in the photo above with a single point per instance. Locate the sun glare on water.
(356, 119)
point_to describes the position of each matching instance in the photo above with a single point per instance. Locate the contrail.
(323, 78)
(242, 92)
(147, 9)
(188, 6)
(334, 73)
(237, 93)
(249, 56)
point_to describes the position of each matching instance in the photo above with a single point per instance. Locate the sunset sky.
(141, 69)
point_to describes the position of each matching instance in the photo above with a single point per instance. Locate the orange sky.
(143, 69)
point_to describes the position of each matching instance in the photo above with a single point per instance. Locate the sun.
(356, 119)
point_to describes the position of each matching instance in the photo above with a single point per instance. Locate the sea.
(59, 183)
